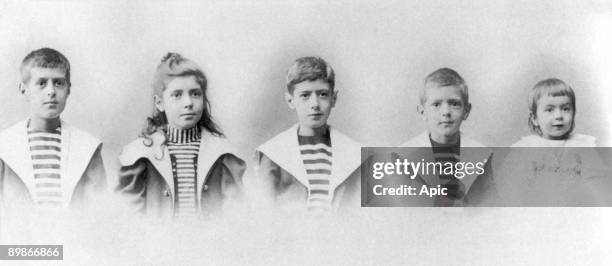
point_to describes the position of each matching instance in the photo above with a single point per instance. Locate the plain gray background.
(381, 51)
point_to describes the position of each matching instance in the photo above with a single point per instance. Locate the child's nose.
(314, 102)
(445, 109)
(50, 90)
(187, 101)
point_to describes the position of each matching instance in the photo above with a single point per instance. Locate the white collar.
(422, 140)
(211, 148)
(284, 151)
(78, 148)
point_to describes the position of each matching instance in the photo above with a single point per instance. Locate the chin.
(557, 136)
(451, 134)
(50, 117)
(318, 125)
(310, 124)
(188, 126)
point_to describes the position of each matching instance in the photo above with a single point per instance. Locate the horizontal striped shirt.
(45, 152)
(444, 153)
(316, 156)
(183, 146)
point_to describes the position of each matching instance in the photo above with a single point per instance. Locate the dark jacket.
(282, 174)
(146, 179)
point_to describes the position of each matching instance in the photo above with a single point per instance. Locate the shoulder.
(279, 142)
(581, 140)
(529, 141)
(11, 138)
(341, 140)
(231, 160)
(467, 141)
(219, 143)
(421, 140)
(347, 150)
(79, 136)
(141, 147)
(16, 129)
(217, 146)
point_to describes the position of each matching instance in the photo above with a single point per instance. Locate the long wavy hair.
(174, 65)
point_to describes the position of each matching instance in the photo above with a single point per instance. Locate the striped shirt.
(444, 153)
(45, 151)
(183, 146)
(317, 158)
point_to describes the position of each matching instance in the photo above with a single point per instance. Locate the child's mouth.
(316, 117)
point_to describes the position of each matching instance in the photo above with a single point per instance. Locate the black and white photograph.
(301, 132)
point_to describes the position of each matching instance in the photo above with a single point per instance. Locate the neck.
(171, 127)
(177, 135)
(442, 139)
(37, 123)
(309, 132)
(563, 137)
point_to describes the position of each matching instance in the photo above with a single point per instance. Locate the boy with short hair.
(444, 105)
(44, 162)
(311, 165)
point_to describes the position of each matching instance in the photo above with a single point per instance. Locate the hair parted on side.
(549, 87)
(175, 65)
(44, 58)
(445, 77)
(310, 68)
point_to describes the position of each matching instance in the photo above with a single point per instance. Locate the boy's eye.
(567, 109)
(175, 94)
(548, 110)
(304, 95)
(196, 93)
(436, 104)
(59, 83)
(42, 83)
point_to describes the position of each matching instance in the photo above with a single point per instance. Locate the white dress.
(575, 140)
(550, 174)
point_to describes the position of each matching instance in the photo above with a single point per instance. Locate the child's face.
(46, 91)
(312, 101)
(554, 116)
(443, 111)
(183, 102)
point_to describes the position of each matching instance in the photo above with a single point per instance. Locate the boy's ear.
(21, 88)
(334, 98)
(289, 100)
(159, 104)
(468, 108)
(421, 111)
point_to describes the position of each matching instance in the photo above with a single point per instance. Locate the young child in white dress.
(562, 170)
(552, 109)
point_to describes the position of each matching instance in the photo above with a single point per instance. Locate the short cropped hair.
(549, 87)
(44, 58)
(310, 69)
(445, 77)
